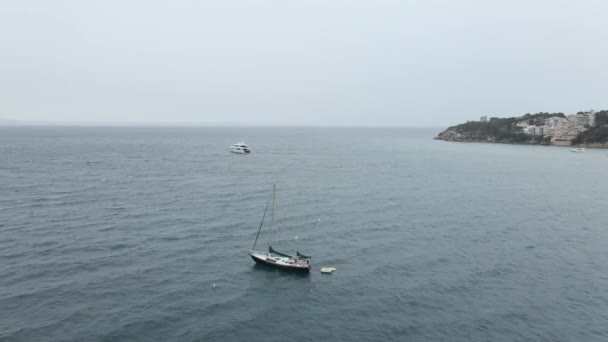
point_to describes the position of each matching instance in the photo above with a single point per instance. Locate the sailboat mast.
(261, 224)
(274, 208)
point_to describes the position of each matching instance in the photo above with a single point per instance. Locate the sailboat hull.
(281, 263)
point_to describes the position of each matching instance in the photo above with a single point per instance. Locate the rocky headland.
(588, 129)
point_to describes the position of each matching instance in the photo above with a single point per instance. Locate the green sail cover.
(302, 255)
(270, 250)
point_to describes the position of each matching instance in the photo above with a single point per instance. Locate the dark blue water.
(118, 234)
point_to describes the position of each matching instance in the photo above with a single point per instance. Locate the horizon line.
(42, 123)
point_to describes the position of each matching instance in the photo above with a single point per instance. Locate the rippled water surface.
(118, 234)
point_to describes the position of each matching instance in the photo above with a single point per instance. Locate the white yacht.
(578, 149)
(240, 147)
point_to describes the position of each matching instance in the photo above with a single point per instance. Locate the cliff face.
(453, 134)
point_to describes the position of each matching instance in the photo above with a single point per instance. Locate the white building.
(552, 121)
(561, 129)
(534, 130)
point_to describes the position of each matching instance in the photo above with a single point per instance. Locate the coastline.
(583, 129)
(590, 145)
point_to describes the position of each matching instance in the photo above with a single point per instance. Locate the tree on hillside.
(601, 118)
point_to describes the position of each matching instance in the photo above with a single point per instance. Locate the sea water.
(143, 234)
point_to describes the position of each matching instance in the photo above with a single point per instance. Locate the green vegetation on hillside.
(504, 129)
(539, 118)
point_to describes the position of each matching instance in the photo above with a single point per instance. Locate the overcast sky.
(306, 62)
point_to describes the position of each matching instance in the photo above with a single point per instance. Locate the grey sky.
(314, 62)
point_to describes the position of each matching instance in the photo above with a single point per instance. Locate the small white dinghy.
(328, 270)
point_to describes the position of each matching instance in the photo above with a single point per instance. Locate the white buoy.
(213, 285)
(296, 238)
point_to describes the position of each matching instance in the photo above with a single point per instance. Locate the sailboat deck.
(281, 261)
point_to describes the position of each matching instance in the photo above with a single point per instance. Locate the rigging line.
(261, 223)
(274, 208)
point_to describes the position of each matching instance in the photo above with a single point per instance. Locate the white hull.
(240, 148)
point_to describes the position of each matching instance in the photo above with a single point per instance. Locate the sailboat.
(274, 258)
